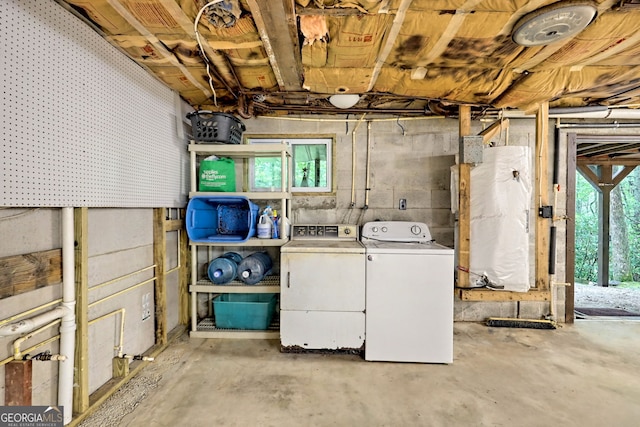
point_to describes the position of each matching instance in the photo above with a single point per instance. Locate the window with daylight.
(312, 165)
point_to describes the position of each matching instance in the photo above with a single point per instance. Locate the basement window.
(312, 165)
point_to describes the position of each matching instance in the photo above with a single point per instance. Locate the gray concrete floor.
(587, 374)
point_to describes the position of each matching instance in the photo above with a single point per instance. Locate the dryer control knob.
(374, 229)
(415, 229)
(384, 229)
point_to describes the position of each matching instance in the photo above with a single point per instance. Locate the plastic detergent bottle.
(254, 268)
(274, 229)
(224, 269)
(265, 226)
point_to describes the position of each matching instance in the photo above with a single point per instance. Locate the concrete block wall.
(409, 159)
(120, 243)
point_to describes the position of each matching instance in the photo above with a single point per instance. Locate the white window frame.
(327, 141)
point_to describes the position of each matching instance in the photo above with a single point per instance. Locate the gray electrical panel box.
(471, 149)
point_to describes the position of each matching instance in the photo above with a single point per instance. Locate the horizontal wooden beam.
(27, 272)
(608, 161)
(495, 128)
(328, 12)
(174, 225)
(490, 295)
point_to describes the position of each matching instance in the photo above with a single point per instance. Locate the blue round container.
(224, 269)
(254, 268)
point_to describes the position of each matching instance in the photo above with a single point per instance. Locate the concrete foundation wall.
(120, 244)
(409, 159)
(414, 166)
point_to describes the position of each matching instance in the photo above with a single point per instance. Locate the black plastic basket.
(208, 126)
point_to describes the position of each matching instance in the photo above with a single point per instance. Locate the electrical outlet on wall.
(402, 205)
(146, 306)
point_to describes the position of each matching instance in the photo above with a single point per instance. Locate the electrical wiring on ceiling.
(204, 55)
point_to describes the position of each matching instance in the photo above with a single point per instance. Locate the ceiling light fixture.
(552, 23)
(344, 100)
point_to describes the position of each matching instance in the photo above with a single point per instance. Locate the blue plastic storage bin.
(244, 311)
(221, 219)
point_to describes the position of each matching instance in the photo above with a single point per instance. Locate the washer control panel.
(316, 231)
(397, 231)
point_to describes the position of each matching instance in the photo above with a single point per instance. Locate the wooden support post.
(120, 367)
(464, 200)
(81, 358)
(604, 217)
(603, 182)
(542, 197)
(159, 259)
(18, 383)
(183, 284)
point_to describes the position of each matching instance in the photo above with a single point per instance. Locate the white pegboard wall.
(82, 124)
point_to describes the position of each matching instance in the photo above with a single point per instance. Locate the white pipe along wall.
(68, 326)
(27, 325)
(65, 311)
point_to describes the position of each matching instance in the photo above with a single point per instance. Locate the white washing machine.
(409, 294)
(322, 289)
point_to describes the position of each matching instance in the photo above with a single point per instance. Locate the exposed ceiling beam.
(272, 18)
(608, 149)
(450, 32)
(328, 12)
(221, 69)
(157, 44)
(389, 42)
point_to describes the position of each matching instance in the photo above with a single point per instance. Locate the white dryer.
(409, 294)
(322, 292)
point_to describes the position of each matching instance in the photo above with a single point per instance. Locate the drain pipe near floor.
(68, 325)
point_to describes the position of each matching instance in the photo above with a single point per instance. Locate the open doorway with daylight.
(607, 226)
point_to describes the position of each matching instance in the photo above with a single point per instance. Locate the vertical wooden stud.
(81, 358)
(159, 259)
(183, 284)
(464, 200)
(542, 197)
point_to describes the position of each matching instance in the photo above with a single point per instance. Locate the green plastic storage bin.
(244, 311)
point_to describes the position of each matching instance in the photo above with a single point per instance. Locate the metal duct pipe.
(598, 125)
(556, 155)
(593, 112)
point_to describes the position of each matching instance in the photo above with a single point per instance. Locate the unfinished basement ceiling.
(399, 56)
